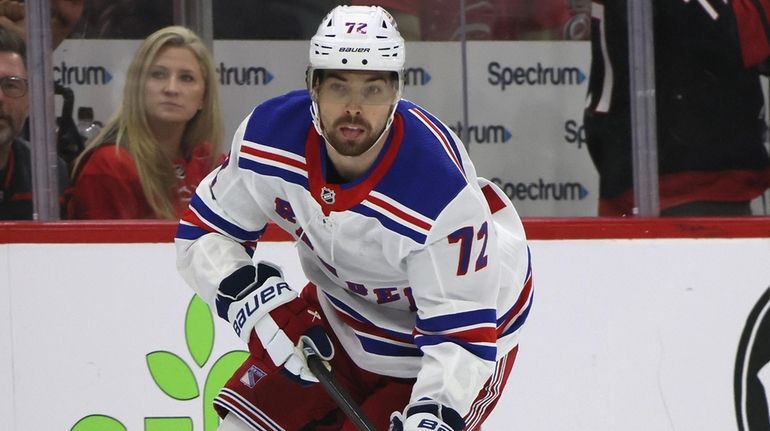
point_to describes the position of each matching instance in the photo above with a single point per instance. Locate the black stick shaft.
(338, 393)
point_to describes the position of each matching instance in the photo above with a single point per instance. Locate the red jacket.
(107, 185)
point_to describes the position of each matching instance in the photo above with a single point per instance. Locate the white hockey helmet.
(357, 38)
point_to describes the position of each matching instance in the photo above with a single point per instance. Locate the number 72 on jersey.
(465, 237)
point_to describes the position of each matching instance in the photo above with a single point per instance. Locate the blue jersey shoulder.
(428, 171)
(281, 122)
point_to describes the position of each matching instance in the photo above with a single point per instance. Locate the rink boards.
(639, 332)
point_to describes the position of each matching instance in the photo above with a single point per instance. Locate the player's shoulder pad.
(281, 122)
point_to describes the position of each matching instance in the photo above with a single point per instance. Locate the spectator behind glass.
(489, 20)
(164, 139)
(711, 158)
(64, 16)
(15, 154)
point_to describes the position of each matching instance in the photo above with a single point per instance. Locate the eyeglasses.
(13, 86)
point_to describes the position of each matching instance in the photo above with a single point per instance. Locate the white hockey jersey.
(422, 268)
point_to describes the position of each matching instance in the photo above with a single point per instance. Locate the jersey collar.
(342, 197)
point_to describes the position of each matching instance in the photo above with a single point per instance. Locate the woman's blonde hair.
(130, 128)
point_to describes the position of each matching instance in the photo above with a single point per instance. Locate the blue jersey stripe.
(526, 279)
(454, 321)
(488, 353)
(190, 232)
(344, 307)
(519, 320)
(390, 223)
(507, 314)
(379, 347)
(529, 264)
(273, 171)
(357, 316)
(234, 231)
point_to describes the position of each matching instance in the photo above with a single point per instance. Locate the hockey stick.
(345, 402)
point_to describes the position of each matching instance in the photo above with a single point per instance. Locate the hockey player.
(419, 273)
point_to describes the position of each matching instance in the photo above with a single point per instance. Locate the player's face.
(354, 107)
(175, 87)
(14, 105)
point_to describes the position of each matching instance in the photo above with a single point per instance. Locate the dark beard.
(346, 148)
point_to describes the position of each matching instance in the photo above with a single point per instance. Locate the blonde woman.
(163, 140)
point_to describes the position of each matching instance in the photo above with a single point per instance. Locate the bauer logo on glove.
(251, 304)
(249, 293)
(426, 414)
(431, 424)
(272, 318)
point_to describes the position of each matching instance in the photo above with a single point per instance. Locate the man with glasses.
(15, 154)
(419, 270)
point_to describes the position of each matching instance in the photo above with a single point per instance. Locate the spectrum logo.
(491, 134)
(533, 75)
(574, 133)
(416, 76)
(81, 75)
(542, 191)
(243, 75)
